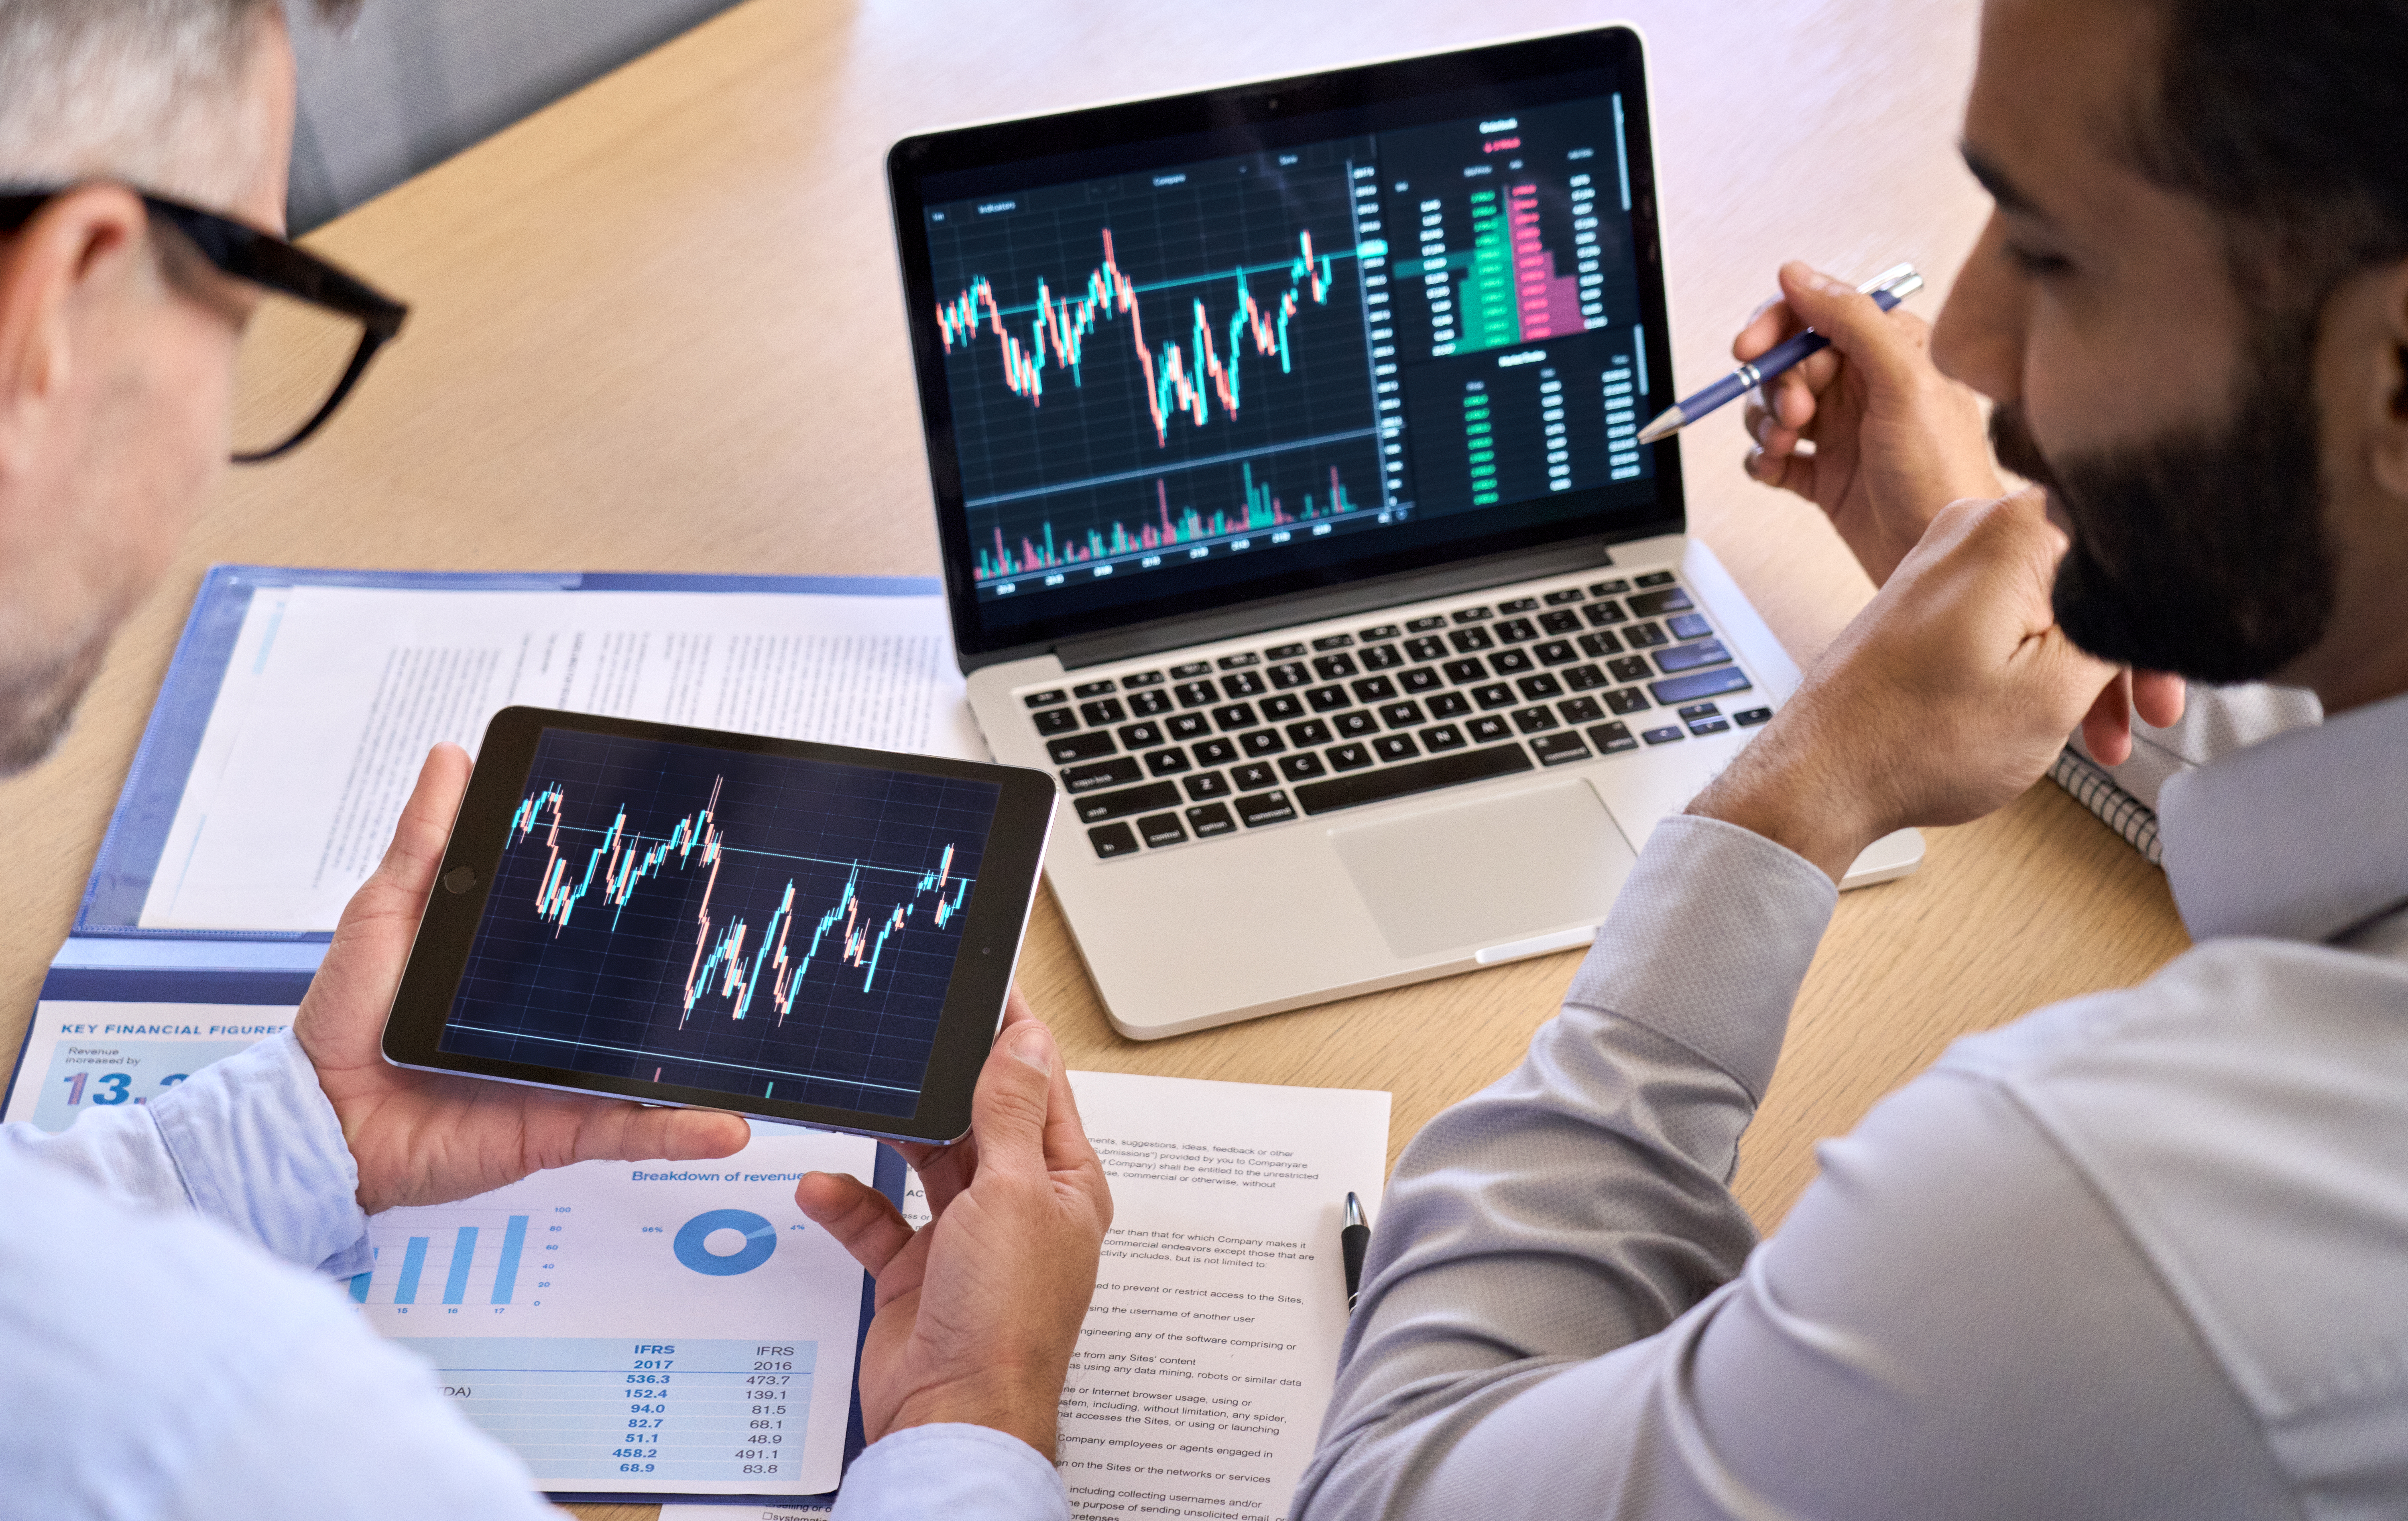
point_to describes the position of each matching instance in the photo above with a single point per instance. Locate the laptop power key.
(1358, 788)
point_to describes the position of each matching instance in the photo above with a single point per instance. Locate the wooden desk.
(658, 328)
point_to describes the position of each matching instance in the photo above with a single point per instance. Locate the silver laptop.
(1284, 446)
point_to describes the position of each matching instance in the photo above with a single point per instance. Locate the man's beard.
(39, 692)
(2200, 551)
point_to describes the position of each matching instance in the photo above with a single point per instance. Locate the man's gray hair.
(152, 92)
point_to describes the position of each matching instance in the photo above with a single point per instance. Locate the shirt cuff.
(261, 1153)
(1708, 942)
(959, 1472)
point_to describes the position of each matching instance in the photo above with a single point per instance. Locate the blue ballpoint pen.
(1888, 289)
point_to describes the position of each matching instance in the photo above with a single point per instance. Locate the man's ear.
(2390, 451)
(53, 271)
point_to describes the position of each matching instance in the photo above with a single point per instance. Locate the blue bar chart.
(472, 1257)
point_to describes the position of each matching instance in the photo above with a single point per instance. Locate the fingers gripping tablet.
(808, 933)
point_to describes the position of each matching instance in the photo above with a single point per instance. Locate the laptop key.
(1581, 709)
(1102, 711)
(1469, 615)
(1700, 709)
(1143, 677)
(1629, 669)
(1046, 699)
(1142, 736)
(1349, 758)
(1533, 720)
(1664, 736)
(1496, 696)
(1517, 631)
(1462, 671)
(1690, 656)
(1540, 688)
(1382, 657)
(1657, 604)
(1056, 721)
(1293, 674)
(1096, 807)
(1425, 626)
(1211, 819)
(1657, 577)
(1080, 747)
(1196, 694)
(1160, 829)
(1689, 626)
(1558, 748)
(1555, 652)
(1704, 726)
(1519, 604)
(1096, 689)
(1752, 717)
(1599, 646)
(1215, 752)
(1333, 667)
(1149, 704)
(1449, 705)
(1586, 679)
(1333, 641)
(1488, 729)
(1612, 738)
(1281, 708)
(1266, 808)
(1377, 631)
(1357, 725)
(1644, 636)
(1284, 652)
(1387, 782)
(1302, 768)
(1188, 726)
(1375, 689)
(1110, 773)
(1561, 621)
(1236, 716)
(1191, 669)
(1395, 747)
(1401, 715)
(1113, 840)
(1419, 679)
(1425, 648)
(1471, 641)
(1308, 734)
(1627, 701)
(1253, 777)
(1207, 784)
(1443, 737)
(1166, 762)
(1569, 594)
(1240, 661)
(1245, 683)
(1705, 684)
(1511, 661)
(1261, 742)
(1607, 588)
(1602, 613)
(1329, 699)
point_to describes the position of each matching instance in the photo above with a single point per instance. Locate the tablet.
(804, 932)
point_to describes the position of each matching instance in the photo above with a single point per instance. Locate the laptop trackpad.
(1485, 873)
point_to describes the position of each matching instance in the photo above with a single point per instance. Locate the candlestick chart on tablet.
(744, 922)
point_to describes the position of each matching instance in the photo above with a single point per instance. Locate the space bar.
(1420, 776)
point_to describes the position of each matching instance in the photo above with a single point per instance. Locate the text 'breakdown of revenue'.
(689, 915)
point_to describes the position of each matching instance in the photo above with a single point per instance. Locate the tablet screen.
(750, 924)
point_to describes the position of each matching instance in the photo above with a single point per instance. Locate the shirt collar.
(2303, 837)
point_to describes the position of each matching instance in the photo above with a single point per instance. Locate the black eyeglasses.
(304, 345)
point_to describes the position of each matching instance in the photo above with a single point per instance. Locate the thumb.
(1856, 327)
(1008, 1110)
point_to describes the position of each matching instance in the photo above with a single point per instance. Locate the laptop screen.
(1183, 354)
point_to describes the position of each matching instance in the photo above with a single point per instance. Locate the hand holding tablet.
(807, 933)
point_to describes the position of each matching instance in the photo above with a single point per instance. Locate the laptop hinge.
(1333, 602)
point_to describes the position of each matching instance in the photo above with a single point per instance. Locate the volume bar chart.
(1263, 511)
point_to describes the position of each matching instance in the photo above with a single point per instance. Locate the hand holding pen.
(1867, 430)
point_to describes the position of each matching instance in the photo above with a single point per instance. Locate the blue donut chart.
(760, 1240)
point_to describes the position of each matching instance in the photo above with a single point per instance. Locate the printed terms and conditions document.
(1208, 1353)
(335, 694)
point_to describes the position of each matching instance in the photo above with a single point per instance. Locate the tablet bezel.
(993, 920)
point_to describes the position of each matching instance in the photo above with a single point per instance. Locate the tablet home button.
(459, 880)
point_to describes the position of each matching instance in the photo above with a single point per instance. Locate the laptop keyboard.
(1165, 755)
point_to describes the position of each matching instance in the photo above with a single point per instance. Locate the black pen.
(1350, 1242)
